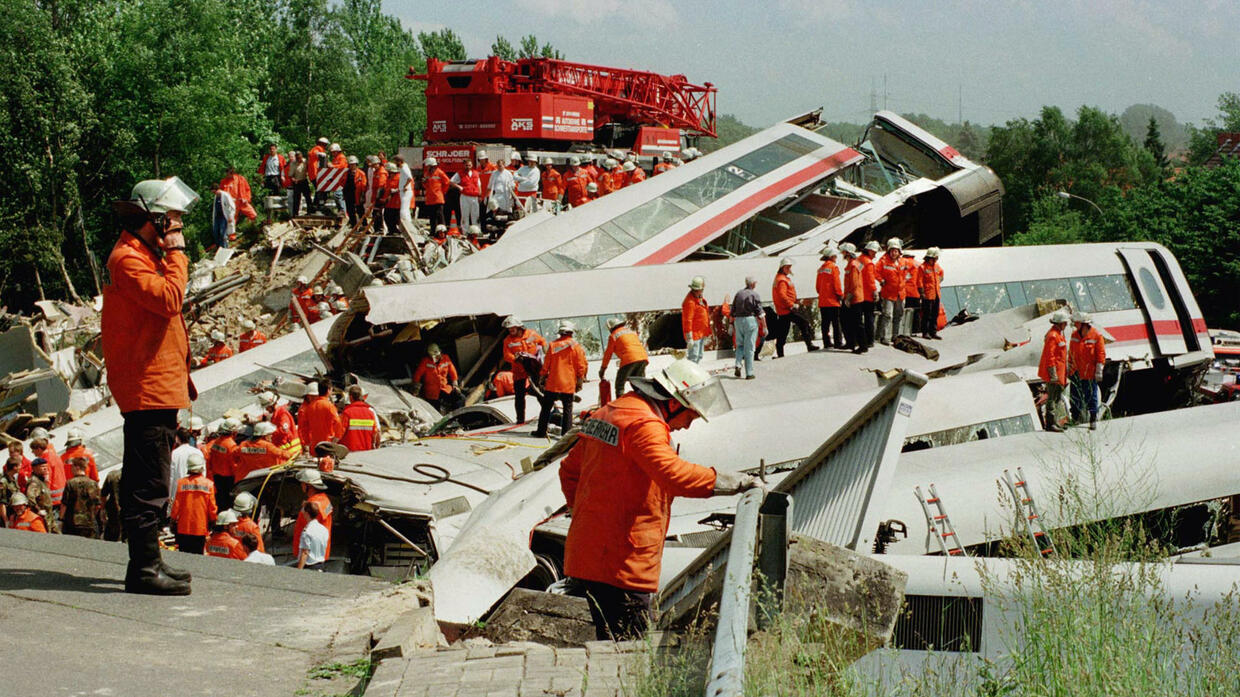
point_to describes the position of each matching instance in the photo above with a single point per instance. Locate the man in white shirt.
(503, 189)
(185, 437)
(406, 195)
(313, 544)
(255, 556)
(528, 176)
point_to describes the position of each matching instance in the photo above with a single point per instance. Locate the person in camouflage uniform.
(112, 530)
(40, 495)
(81, 502)
(8, 486)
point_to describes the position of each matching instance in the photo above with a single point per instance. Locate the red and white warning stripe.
(330, 179)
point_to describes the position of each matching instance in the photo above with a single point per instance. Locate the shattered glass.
(1110, 293)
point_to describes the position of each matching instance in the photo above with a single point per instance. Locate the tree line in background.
(99, 94)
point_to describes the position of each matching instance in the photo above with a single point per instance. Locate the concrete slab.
(247, 629)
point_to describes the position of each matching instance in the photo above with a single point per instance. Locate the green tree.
(504, 49)
(443, 44)
(1154, 143)
(530, 48)
(729, 129)
(1203, 142)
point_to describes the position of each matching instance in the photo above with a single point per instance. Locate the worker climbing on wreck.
(619, 481)
(523, 350)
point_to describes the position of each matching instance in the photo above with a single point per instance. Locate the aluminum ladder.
(938, 523)
(1028, 511)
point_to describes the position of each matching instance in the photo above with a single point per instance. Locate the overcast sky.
(780, 57)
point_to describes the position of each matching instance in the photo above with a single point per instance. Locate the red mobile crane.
(555, 105)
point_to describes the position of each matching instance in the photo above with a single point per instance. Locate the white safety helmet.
(566, 327)
(873, 246)
(334, 148)
(848, 248)
(226, 517)
(323, 308)
(75, 437)
(311, 477)
(267, 398)
(1060, 316)
(546, 161)
(430, 162)
(516, 156)
(404, 265)
(217, 335)
(302, 280)
(829, 252)
(698, 283)
(694, 387)
(512, 321)
(192, 423)
(163, 195)
(244, 503)
(372, 159)
(933, 253)
(785, 262)
(230, 425)
(591, 187)
(474, 230)
(334, 288)
(1082, 318)
(609, 163)
(614, 322)
(323, 141)
(895, 243)
(628, 166)
(19, 499)
(574, 161)
(248, 325)
(340, 306)
(667, 157)
(351, 159)
(433, 350)
(441, 228)
(264, 428)
(195, 463)
(317, 290)
(38, 432)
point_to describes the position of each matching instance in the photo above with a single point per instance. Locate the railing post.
(727, 669)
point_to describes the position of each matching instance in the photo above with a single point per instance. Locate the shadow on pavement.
(39, 580)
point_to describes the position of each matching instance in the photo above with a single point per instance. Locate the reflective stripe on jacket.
(626, 345)
(565, 365)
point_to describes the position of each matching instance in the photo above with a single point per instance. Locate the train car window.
(951, 305)
(1110, 293)
(651, 218)
(1017, 293)
(1049, 289)
(588, 251)
(529, 267)
(1150, 289)
(984, 298)
(1082, 301)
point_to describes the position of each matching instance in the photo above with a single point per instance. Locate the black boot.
(145, 574)
(174, 573)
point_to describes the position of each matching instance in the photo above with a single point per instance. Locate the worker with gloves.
(630, 353)
(784, 295)
(1053, 367)
(695, 319)
(194, 507)
(563, 373)
(1087, 357)
(853, 300)
(830, 287)
(890, 271)
(869, 283)
(251, 336)
(437, 380)
(619, 480)
(523, 350)
(435, 183)
(930, 282)
(552, 182)
(146, 349)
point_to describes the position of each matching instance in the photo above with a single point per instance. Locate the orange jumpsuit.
(247, 524)
(626, 345)
(361, 426)
(30, 521)
(255, 455)
(223, 544)
(434, 184)
(783, 294)
(636, 176)
(318, 421)
(552, 184)
(575, 188)
(503, 384)
(92, 470)
(619, 481)
(1054, 353)
(565, 366)
(250, 339)
(436, 377)
(694, 317)
(220, 456)
(286, 436)
(829, 284)
(194, 509)
(527, 342)
(1085, 352)
(217, 353)
(892, 275)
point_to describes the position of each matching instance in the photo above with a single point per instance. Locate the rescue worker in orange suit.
(354, 189)
(619, 481)
(1087, 357)
(930, 282)
(75, 448)
(243, 506)
(500, 385)
(552, 182)
(146, 349)
(695, 319)
(563, 373)
(221, 543)
(318, 420)
(630, 353)
(391, 199)
(251, 337)
(869, 283)
(286, 436)
(523, 351)
(912, 295)
(221, 459)
(194, 507)
(315, 491)
(362, 430)
(435, 184)
(376, 187)
(257, 452)
(830, 286)
(784, 297)
(237, 187)
(575, 181)
(437, 380)
(665, 164)
(1053, 367)
(316, 159)
(301, 295)
(853, 300)
(469, 183)
(619, 178)
(632, 174)
(41, 447)
(219, 349)
(890, 271)
(21, 517)
(604, 180)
